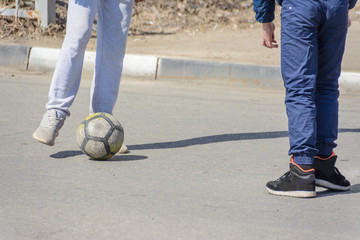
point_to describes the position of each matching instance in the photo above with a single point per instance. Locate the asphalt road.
(200, 155)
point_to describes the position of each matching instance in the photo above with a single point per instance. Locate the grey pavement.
(200, 155)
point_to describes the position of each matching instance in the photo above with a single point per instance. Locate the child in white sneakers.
(113, 23)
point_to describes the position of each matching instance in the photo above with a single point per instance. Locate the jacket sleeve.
(264, 10)
(352, 3)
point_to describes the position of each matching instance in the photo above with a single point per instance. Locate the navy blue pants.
(313, 36)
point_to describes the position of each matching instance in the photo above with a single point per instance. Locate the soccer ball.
(100, 136)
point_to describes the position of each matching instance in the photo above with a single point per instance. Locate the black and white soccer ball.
(100, 136)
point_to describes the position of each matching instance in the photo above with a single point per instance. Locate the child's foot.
(123, 149)
(328, 176)
(297, 182)
(49, 128)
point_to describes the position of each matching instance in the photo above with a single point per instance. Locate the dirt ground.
(224, 35)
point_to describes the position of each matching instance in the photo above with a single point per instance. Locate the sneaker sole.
(299, 194)
(331, 186)
(123, 150)
(43, 140)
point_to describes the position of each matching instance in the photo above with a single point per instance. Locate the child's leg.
(66, 78)
(114, 18)
(332, 34)
(299, 64)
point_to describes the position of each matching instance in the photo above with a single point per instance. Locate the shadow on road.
(123, 158)
(219, 138)
(326, 193)
(118, 157)
(142, 33)
(66, 154)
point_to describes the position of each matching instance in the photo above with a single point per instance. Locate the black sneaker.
(328, 176)
(295, 183)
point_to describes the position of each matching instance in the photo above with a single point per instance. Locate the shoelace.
(336, 170)
(53, 122)
(283, 176)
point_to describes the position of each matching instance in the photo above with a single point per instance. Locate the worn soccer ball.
(100, 136)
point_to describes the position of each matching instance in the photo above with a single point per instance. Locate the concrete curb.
(44, 59)
(15, 57)
(248, 75)
(350, 81)
(163, 68)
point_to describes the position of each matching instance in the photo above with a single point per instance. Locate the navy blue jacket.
(264, 9)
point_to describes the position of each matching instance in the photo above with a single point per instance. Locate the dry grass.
(149, 17)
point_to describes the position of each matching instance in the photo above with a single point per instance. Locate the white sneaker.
(123, 149)
(49, 128)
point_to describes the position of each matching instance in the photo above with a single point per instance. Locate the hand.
(268, 37)
(349, 22)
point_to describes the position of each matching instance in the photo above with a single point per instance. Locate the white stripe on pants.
(113, 23)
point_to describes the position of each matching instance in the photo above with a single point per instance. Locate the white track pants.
(113, 23)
